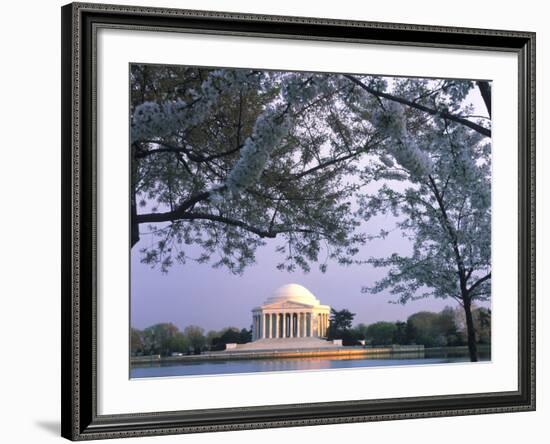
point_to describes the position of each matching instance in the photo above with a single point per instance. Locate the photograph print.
(305, 221)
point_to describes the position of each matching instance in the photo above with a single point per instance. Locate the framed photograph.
(274, 221)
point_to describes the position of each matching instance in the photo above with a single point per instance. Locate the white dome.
(294, 293)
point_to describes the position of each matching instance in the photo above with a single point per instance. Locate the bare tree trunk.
(134, 226)
(485, 90)
(472, 346)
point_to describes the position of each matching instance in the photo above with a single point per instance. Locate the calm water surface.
(276, 365)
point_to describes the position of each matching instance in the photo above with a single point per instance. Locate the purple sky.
(214, 298)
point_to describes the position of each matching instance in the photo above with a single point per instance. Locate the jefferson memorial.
(291, 312)
(292, 317)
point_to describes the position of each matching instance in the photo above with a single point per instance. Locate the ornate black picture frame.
(80, 419)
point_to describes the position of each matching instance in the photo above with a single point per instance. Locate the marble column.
(319, 325)
(262, 326)
(291, 324)
(290, 335)
(287, 325)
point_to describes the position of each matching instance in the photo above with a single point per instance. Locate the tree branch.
(171, 216)
(168, 148)
(452, 234)
(480, 129)
(330, 162)
(479, 282)
(178, 213)
(229, 221)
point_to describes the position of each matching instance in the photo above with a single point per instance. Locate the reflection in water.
(311, 363)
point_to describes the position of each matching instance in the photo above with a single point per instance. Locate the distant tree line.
(165, 339)
(444, 329)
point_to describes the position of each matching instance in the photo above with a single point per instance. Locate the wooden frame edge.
(78, 411)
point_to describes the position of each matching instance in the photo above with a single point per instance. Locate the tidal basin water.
(202, 368)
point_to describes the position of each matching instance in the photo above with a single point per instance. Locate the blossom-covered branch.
(390, 120)
(233, 184)
(154, 119)
(434, 112)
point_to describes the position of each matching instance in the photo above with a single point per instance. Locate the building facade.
(292, 311)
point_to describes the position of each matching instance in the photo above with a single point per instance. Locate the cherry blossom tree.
(223, 159)
(442, 204)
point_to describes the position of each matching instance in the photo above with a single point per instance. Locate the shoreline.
(411, 351)
(339, 352)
